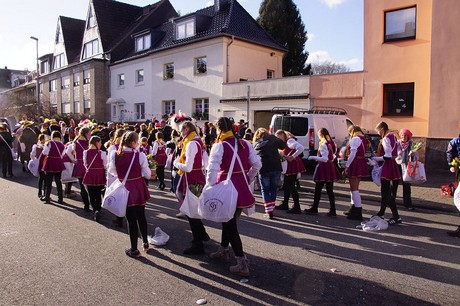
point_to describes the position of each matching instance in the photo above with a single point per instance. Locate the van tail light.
(311, 141)
(270, 130)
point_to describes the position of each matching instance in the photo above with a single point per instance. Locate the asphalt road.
(56, 255)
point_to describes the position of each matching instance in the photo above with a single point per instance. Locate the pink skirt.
(325, 172)
(390, 170)
(138, 192)
(358, 168)
(295, 167)
(95, 177)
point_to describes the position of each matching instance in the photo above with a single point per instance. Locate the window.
(91, 22)
(142, 42)
(201, 64)
(168, 71)
(140, 76)
(41, 88)
(114, 110)
(86, 77)
(169, 107)
(65, 82)
(91, 48)
(58, 38)
(87, 106)
(185, 29)
(398, 99)
(201, 109)
(76, 107)
(53, 85)
(121, 80)
(140, 110)
(400, 24)
(270, 74)
(44, 67)
(76, 79)
(65, 108)
(59, 61)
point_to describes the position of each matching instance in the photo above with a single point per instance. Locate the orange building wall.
(396, 62)
(344, 90)
(445, 70)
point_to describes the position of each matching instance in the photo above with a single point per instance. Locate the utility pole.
(39, 106)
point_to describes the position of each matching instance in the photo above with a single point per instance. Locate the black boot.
(455, 233)
(311, 211)
(283, 206)
(356, 214)
(197, 248)
(350, 210)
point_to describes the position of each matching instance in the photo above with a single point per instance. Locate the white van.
(305, 123)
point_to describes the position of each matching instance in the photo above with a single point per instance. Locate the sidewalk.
(425, 196)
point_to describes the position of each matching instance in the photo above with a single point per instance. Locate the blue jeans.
(269, 183)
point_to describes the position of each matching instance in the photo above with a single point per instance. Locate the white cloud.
(322, 56)
(319, 57)
(333, 3)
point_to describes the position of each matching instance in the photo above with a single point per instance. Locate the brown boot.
(241, 267)
(222, 254)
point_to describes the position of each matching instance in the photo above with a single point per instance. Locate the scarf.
(324, 139)
(185, 142)
(405, 145)
(225, 135)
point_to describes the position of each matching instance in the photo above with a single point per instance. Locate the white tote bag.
(457, 198)
(66, 175)
(218, 202)
(376, 174)
(191, 203)
(33, 166)
(414, 173)
(116, 195)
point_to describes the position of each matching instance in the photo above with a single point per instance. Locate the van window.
(296, 125)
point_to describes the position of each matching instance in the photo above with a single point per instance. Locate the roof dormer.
(92, 45)
(185, 28)
(59, 53)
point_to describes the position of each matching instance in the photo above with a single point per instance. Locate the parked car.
(305, 123)
(370, 151)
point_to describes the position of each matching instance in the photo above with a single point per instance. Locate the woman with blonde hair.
(387, 152)
(325, 172)
(355, 169)
(294, 166)
(267, 147)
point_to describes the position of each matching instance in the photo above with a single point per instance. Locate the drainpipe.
(228, 63)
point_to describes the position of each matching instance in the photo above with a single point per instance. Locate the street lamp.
(39, 106)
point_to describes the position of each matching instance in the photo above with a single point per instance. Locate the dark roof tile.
(72, 31)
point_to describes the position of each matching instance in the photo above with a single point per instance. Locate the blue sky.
(335, 27)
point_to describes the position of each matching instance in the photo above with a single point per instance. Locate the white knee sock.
(356, 198)
(351, 197)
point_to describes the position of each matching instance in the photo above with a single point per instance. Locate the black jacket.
(268, 149)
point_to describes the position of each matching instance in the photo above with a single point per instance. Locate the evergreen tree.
(281, 19)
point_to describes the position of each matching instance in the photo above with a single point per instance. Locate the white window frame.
(140, 73)
(65, 82)
(121, 80)
(185, 29)
(86, 77)
(143, 42)
(76, 107)
(59, 61)
(65, 108)
(76, 79)
(91, 48)
(53, 85)
(114, 111)
(201, 105)
(199, 63)
(139, 110)
(270, 74)
(169, 106)
(168, 71)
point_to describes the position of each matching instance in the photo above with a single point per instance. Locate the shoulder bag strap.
(89, 167)
(6, 142)
(230, 170)
(60, 154)
(129, 170)
(235, 153)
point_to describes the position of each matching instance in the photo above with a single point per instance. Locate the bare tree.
(328, 67)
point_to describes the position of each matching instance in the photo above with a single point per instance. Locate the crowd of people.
(96, 154)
